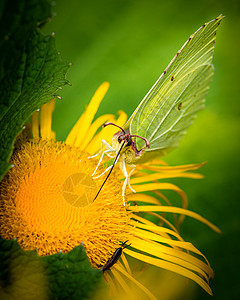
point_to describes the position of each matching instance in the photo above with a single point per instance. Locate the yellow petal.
(187, 260)
(156, 237)
(158, 229)
(169, 254)
(93, 129)
(111, 283)
(165, 221)
(126, 264)
(106, 133)
(181, 168)
(157, 176)
(162, 186)
(142, 287)
(121, 281)
(71, 138)
(176, 210)
(122, 118)
(171, 267)
(189, 246)
(176, 220)
(149, 199)
(46, 119)
(91, 111)
(153, 200)
(157, 162)
(35, 125)
(78, 132)
(143, 198)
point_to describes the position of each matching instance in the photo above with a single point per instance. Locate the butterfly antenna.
(109, 123)
(145, 140)
(115, 160)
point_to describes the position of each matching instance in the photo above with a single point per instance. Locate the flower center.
(79, 189)
(47, 203)
(52, 196)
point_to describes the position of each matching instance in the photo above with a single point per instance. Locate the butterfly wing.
(170, 106)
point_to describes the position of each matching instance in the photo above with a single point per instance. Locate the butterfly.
(168, 109)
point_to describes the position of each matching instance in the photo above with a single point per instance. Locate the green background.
(129, 44)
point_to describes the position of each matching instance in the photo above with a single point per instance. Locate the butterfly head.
(130, 147)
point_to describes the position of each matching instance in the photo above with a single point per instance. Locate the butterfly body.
(129, 152)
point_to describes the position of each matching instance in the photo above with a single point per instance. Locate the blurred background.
(129, 44)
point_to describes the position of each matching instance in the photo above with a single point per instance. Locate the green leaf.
(75, 277)
(31, 71)
(25, 275)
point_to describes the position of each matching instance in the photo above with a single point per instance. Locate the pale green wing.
(170, 106)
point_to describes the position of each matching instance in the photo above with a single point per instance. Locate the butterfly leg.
(101, 148)
(107, 152)
(108, 168)
(102, 143)
(127, 177)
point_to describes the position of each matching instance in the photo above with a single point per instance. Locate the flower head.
(47, 202)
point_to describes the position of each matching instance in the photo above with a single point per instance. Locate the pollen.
(47, 202)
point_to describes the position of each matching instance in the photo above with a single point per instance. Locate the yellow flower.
(47, 202)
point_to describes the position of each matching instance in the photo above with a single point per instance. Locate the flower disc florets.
(47, 202)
